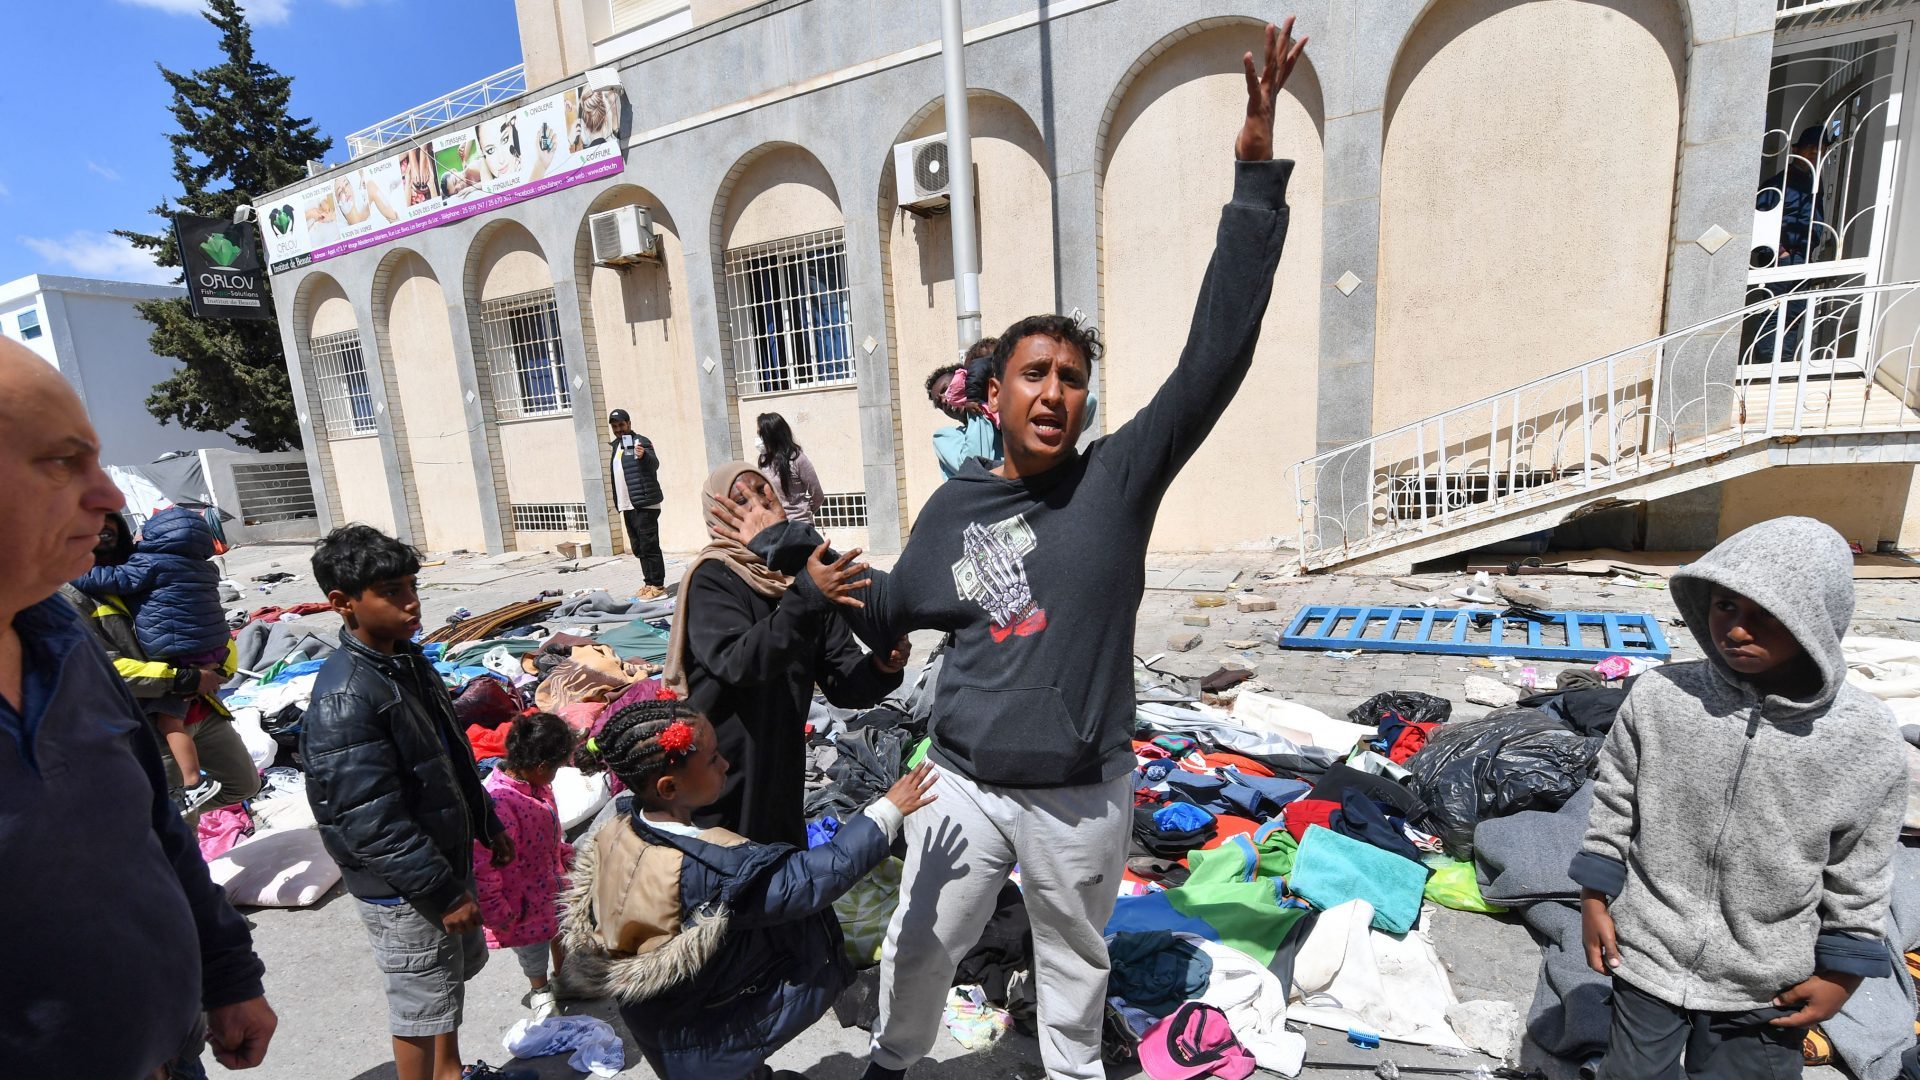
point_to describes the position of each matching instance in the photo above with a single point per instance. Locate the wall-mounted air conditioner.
(623, 236)
(920, 173)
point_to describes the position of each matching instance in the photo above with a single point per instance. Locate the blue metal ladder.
(1588, 636)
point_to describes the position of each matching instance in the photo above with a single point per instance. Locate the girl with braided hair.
(719, 950)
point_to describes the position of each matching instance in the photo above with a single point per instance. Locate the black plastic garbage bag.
(1511, 760)
(1412, 706)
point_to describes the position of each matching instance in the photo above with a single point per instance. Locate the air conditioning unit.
(920, 173)
(623, 236)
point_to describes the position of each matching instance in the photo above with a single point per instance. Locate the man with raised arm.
(1037, 568)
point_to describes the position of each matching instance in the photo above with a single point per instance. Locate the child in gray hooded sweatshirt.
(1737, 865)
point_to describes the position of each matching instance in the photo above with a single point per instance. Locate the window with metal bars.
(274, 491)
(846, 511)
(346, 398)
(791, 322)
(550, 517)
(524, 355)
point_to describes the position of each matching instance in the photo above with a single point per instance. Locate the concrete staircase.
(1694, 407)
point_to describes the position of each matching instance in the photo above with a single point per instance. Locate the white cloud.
(103, 172)
(99, 254)
(261, 11)
(5, 193)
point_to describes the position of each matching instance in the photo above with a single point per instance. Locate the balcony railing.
(441, 110)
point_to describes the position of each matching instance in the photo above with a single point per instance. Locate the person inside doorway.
(635, 466)
(1037, 568)
(1804, 236)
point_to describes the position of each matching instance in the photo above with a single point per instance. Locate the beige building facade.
(1486, 192)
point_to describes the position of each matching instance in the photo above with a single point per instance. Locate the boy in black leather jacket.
(396, 796)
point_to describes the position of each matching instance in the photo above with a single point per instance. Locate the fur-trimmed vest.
(719, 950)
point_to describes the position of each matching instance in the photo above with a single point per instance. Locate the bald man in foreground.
(116, 942)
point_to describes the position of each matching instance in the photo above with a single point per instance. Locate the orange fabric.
(1220, 758)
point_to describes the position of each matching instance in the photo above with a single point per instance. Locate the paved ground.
(322, 982)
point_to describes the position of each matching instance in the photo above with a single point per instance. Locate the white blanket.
(1299, 723)
(1348, 975)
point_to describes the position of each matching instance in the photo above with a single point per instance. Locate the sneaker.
(199, 794)
(541, 1003)
(480, 1070)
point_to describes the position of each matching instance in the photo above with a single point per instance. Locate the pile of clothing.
(585, 658)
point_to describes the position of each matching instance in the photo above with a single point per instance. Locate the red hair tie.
(677, 739)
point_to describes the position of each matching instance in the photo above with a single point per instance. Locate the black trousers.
(1650, 1037)
(643, 538)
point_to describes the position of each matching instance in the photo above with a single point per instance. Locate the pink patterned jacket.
(520, 902)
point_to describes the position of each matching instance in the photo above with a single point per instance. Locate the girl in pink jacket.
(520, 901)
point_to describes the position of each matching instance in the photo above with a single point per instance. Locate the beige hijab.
(751, 569)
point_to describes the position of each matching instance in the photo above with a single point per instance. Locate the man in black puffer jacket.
(637, 496)
(395, 793)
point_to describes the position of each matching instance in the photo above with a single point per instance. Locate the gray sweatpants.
(1071, 847)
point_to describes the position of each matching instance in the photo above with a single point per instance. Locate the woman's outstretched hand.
(739, 522)
(1263, 86)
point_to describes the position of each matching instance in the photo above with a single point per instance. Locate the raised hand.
(1281, 52)
(741, 522)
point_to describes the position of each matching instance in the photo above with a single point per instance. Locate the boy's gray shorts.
(426, 968)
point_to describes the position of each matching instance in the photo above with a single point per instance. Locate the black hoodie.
(1039, 579)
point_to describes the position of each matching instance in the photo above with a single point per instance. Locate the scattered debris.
(1242, 643)
(1197, 620)
(1208, 600)
(1480, 592)
(1184, 642)
(1491, 1027)
(1522, 595)
(1248, 604)
(1224, 679)
(1484, 691)
(1408, 583)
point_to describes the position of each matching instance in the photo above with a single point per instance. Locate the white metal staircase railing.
(1839, 361)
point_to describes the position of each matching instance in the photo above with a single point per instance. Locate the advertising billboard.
(544, 146)
(221, 260)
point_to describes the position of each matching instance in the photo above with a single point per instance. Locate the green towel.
(1237, 889)
(636, 641)
(1332, 869)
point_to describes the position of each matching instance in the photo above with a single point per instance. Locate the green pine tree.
(236, 141)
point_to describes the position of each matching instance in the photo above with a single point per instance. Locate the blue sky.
(89, 153)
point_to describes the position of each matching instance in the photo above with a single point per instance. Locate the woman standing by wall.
(786, 466)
